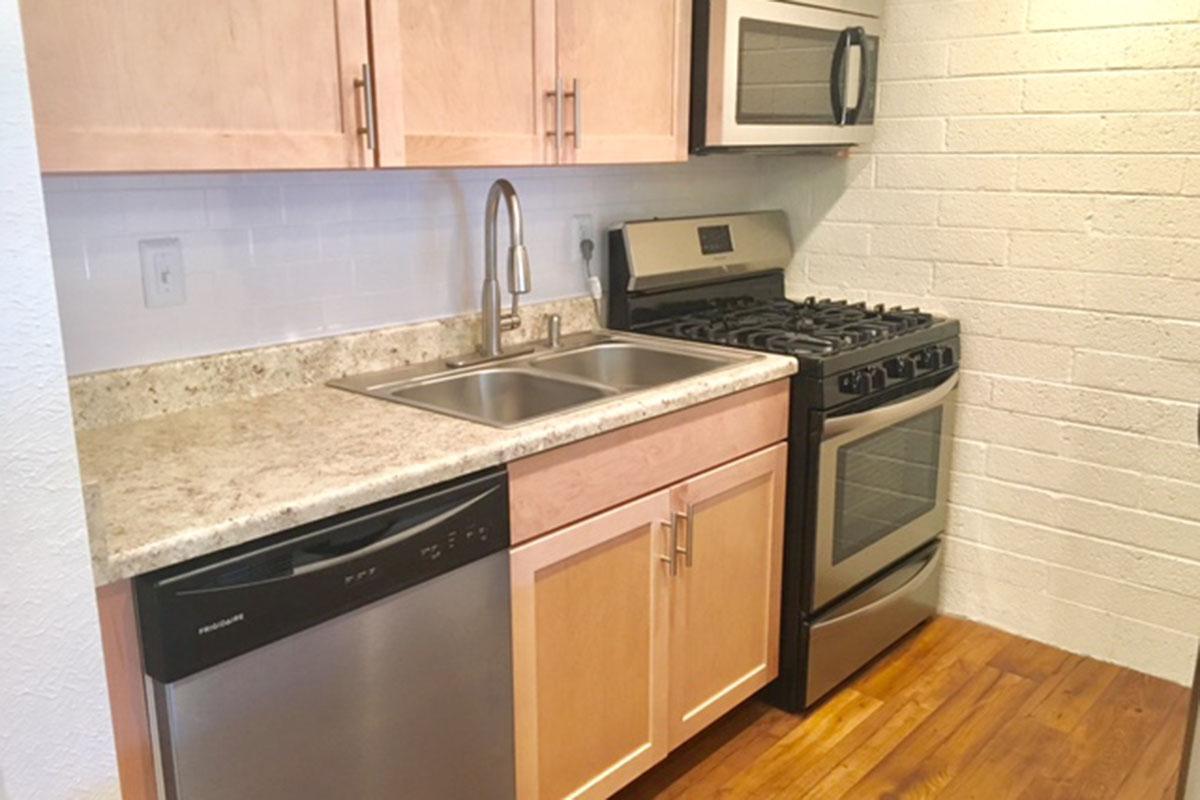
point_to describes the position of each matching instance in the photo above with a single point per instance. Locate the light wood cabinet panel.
(555, 487)
(127, 691)
(589, 653)
(463, 82)
(179, 84)
(725, 599)
(630, 58)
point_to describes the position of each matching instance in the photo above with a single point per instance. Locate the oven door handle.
(890, 413)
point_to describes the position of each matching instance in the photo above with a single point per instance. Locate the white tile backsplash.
(273, 257)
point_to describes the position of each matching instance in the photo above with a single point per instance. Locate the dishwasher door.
(363, 656)
(409, 697)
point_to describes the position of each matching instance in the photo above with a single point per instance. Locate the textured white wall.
(271, 257)
(55, 729)
(1037, 174)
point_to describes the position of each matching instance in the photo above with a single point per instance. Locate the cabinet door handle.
(576, 100)
(558, 132)
(672, 546)
(367, 85)
(687, 518)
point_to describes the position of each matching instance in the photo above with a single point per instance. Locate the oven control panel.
(881, 375)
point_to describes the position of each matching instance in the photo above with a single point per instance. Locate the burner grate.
(809, 327)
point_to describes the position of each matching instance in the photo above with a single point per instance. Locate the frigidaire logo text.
(221, 623)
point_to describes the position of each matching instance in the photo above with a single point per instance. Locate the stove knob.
(947, 356)
(902, 367)
(857, 382)
(929, 358)
(877, 377)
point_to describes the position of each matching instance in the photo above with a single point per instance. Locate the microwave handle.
(858, 38)
(837, 77)
(892, 412)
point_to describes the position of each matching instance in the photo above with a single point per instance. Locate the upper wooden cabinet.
(628, 62)
(463, 82)
(146, 85)
(475, 82)
(143, 85)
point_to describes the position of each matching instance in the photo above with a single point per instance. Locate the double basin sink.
(585, 369)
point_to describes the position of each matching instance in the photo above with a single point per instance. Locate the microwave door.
(781, 74)
(882, 481)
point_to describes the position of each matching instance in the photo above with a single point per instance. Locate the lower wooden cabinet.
(725, 599)
(635, 628)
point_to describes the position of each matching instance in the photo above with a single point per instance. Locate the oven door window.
(885, 481)
(785, 73)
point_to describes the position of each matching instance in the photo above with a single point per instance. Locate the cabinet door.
(725, 599)
(129, 85)
(589, 652)
(630, 58)
(463, 82)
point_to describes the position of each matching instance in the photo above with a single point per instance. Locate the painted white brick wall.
(1037, 175)
(272, 257)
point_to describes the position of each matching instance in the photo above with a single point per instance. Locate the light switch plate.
(162, 272)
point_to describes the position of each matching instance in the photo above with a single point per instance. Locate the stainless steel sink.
(626, 365)
(499, 396)
(588, 368)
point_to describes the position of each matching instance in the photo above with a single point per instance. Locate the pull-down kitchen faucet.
(495, 321)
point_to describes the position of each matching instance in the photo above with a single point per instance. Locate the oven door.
(784, 74)
(883, 476)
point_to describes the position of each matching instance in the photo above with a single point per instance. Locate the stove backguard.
(632, 310)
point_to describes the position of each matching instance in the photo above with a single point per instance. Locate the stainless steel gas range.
(871, 422)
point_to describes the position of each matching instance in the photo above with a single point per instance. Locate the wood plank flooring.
(957, 710)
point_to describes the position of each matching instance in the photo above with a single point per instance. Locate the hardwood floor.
(957, 710)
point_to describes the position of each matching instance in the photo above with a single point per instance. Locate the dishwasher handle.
(393, 535)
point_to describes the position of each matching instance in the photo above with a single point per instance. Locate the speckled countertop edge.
(173, 487)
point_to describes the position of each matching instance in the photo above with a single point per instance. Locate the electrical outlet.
(582, 228)
(162, 272)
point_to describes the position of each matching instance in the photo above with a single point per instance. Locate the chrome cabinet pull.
(367, 85)
(688, 518)
(558, 132)
(576, 100)
(672, 547)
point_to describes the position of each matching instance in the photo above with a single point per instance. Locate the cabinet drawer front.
(589, 653)
(557, 487)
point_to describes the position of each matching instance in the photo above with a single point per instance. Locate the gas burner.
(809, 327)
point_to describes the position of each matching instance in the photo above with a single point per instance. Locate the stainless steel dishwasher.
(362, 656)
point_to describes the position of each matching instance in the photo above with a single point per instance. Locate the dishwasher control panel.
(466, 537)
(200, 613)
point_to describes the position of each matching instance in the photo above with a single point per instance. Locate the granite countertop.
(171, 487)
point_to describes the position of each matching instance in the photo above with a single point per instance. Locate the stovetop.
(812, 328)
(721, 280)
(847, 351)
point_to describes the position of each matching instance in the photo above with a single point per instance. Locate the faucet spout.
(519, 281)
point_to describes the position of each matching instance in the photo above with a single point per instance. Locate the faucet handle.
(518, 270)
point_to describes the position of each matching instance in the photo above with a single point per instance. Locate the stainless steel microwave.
(777, 73)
